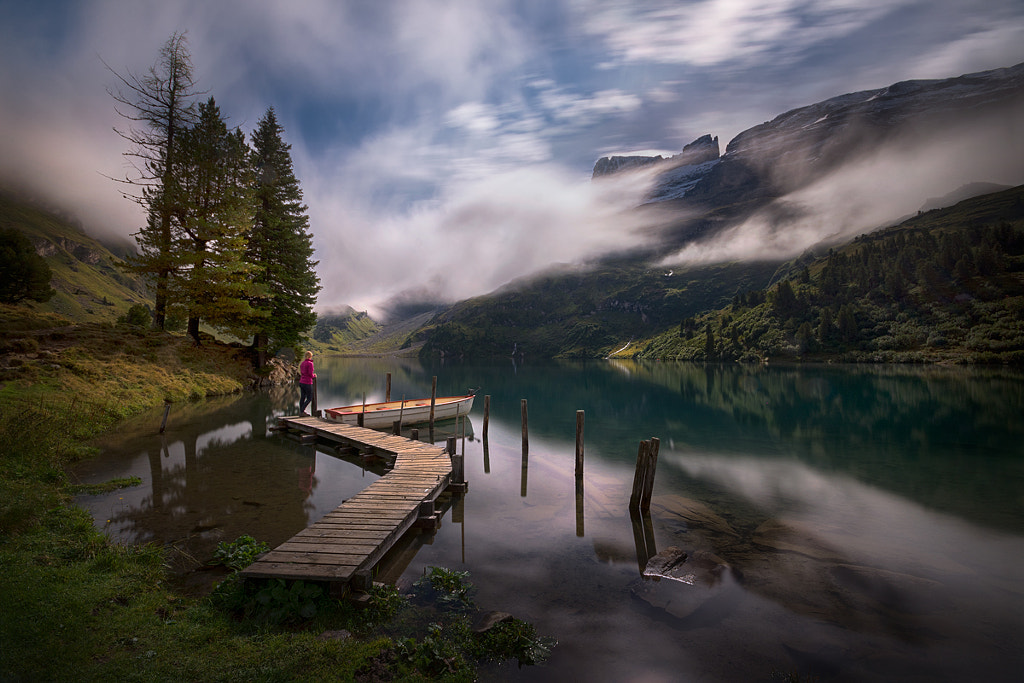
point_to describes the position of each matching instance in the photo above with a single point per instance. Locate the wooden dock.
(343, 547)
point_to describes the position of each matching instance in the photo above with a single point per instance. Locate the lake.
(849, 523)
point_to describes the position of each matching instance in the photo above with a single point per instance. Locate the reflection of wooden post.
(579, 507)
(643, 538)
(523, 476)
(579, 444)
(526, 437)
(487, 415)
(526, 451)
(387, 388)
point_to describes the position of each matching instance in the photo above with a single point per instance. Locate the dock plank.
(354, 536)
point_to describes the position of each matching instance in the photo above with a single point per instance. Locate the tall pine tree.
(280, 245)
(212, 279)
(163, 102)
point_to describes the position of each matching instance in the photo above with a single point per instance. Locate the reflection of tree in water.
(204, 492)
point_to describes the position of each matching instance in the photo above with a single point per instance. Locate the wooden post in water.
(638, 475)
(458, 463)
(167, 410)
(313, 411)
(487, 415)
(579, 444)
(526, 431)
(414, 434)
(387, 388)
(433, 401)
(652, 466)
(361, 418)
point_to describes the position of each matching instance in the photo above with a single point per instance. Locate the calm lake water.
(846, 522)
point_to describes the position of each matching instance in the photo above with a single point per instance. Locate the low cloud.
(477, 236)
(872, 192)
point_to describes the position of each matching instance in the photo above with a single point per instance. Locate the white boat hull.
(417, 411)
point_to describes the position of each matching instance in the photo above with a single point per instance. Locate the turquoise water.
(845, 522)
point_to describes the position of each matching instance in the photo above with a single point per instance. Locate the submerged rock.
(696, 516)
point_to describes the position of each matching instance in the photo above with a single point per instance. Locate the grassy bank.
(74, 606)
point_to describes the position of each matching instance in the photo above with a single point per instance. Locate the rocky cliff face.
(801, 145)
(700, 151)
(785, 153)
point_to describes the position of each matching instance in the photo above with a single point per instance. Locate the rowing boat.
(415, 411)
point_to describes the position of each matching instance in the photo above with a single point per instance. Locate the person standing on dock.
(306, 377)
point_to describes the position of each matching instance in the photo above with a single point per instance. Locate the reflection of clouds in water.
(865, 523)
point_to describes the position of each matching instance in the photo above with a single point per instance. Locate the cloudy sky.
(447, 146)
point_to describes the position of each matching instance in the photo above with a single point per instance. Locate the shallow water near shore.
(849, 523)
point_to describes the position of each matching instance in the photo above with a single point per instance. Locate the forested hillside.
(946, 285)
(586, 314)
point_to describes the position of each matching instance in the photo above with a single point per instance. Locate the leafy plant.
(514, 639)
(450, 589)
(240, 553)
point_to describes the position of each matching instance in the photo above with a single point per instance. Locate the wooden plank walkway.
(347, 542)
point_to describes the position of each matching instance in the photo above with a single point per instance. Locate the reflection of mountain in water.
(932, 434)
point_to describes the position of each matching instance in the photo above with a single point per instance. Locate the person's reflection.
(306, 474)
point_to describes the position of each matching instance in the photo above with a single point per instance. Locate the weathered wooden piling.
(638, 476)
(313, 411)
(652, 466)
(579, 444)
(458, 480)
(167, 411)
(387, 388)
(643, 477)
(433, 401)
(487, 416)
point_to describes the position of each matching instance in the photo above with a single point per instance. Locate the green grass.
(75, 606)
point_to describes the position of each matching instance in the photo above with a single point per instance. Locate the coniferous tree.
(212, 280)
(24, 274)
(163, 102)
(280, 245)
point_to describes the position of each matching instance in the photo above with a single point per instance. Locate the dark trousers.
(305, 396)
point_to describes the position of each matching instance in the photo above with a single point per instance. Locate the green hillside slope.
(944, 286)
(90, 285)
(586, 314)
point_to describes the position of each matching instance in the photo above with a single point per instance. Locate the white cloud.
(471, 114)
(480, 233)
(872, 192)
(716, 32)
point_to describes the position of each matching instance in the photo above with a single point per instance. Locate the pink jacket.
(306, 373)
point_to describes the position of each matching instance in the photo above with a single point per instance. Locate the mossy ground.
(74, 605)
